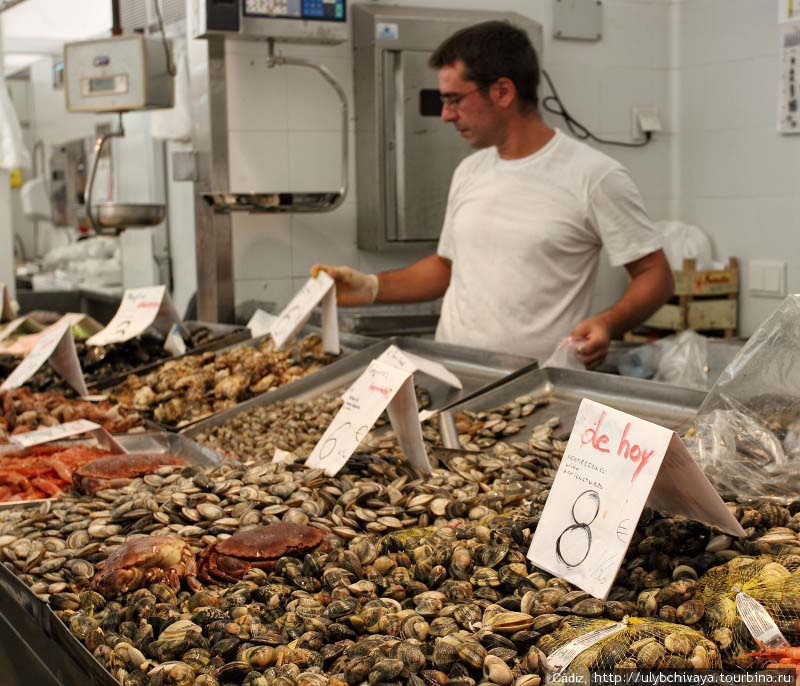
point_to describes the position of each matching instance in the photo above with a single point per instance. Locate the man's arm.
(650, 287)
(426, 279)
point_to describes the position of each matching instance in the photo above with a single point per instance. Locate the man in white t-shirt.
(526, 218)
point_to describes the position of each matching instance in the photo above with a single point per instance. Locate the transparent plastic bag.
(564, 356)
(746, 435)
(686, 241)
(684, 360)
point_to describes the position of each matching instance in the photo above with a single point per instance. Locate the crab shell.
(258, 547)
(117, 470)
(145, 560)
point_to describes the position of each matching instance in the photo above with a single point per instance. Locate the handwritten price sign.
(380, 387)
(59, 432)
(614, 464)
(57, 347)
(318, 289)
(140, 308)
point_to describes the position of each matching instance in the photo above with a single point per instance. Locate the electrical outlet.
(767, 278)
(644, 119)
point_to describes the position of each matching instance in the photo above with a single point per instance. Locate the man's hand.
(353, 288)
(594, 336)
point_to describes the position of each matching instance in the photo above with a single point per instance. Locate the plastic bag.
(13, 152)
(175, 123)
(35, 201)
(747, 432)
(564, 356)
(686, 241)
(684, 360)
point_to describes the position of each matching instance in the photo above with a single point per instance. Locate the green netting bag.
(773, 582)
(637, 643)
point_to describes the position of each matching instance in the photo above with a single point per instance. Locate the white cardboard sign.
(56, 346)
(261, 323)
(174, 343)
(11, 327)
(380, 387)
(6, 311)
(405, 360)
(298, 311)
(614, 463)
(140, 308)
(59, 432)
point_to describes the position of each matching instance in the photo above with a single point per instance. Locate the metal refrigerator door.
(427, 149)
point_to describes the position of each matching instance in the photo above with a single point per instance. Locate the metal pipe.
(274, 60)
(98, 148)
(116, 19)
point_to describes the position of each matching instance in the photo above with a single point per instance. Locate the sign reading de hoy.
(613, 465)
(57, 347)
(289, 322)
(140, 308)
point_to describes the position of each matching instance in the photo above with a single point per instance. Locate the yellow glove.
(353, 288)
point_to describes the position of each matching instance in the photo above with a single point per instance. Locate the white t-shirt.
(524, 237)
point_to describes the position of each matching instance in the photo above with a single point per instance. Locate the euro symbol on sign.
(623, 529)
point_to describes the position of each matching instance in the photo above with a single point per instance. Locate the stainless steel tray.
(478, 370)
(151, 442)
(671, 406)
(225, 335)
(45, 640)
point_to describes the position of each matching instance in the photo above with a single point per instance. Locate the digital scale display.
(101, 85)
(317, 10)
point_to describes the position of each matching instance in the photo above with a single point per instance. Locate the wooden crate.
(703, 300)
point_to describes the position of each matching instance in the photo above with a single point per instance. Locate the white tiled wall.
(739, 177)
(284, 135)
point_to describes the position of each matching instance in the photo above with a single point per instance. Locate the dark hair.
(491, 50)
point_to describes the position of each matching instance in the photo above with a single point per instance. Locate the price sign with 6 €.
(140, 308)
(318, 288)
(59, 432)
(381, 386)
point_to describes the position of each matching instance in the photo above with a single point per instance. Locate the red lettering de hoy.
(626, 449)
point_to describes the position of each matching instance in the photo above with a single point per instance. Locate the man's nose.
(449, 113)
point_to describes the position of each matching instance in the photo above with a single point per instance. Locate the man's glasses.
(454, 99)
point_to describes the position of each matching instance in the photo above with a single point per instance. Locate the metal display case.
(477, 370)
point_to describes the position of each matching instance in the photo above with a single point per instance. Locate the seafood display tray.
(152, 442)
(477, 370)
(349, 343)
(225, 335)
(671, 406)
(48, 652)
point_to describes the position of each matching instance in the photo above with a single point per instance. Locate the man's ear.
(504, 92)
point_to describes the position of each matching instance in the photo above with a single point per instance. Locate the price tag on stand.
(140, 308)
(59, 432)
(298, 311)
(261, 323)
(6, 311)
(381, 387)
(614, 463)
(174, 343)
(57, 347)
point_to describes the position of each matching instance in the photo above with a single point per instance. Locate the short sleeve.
(617, 214)
(446, 247)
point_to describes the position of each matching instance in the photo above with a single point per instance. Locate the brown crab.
(259, 547)
(117, 470)
(143, 561)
